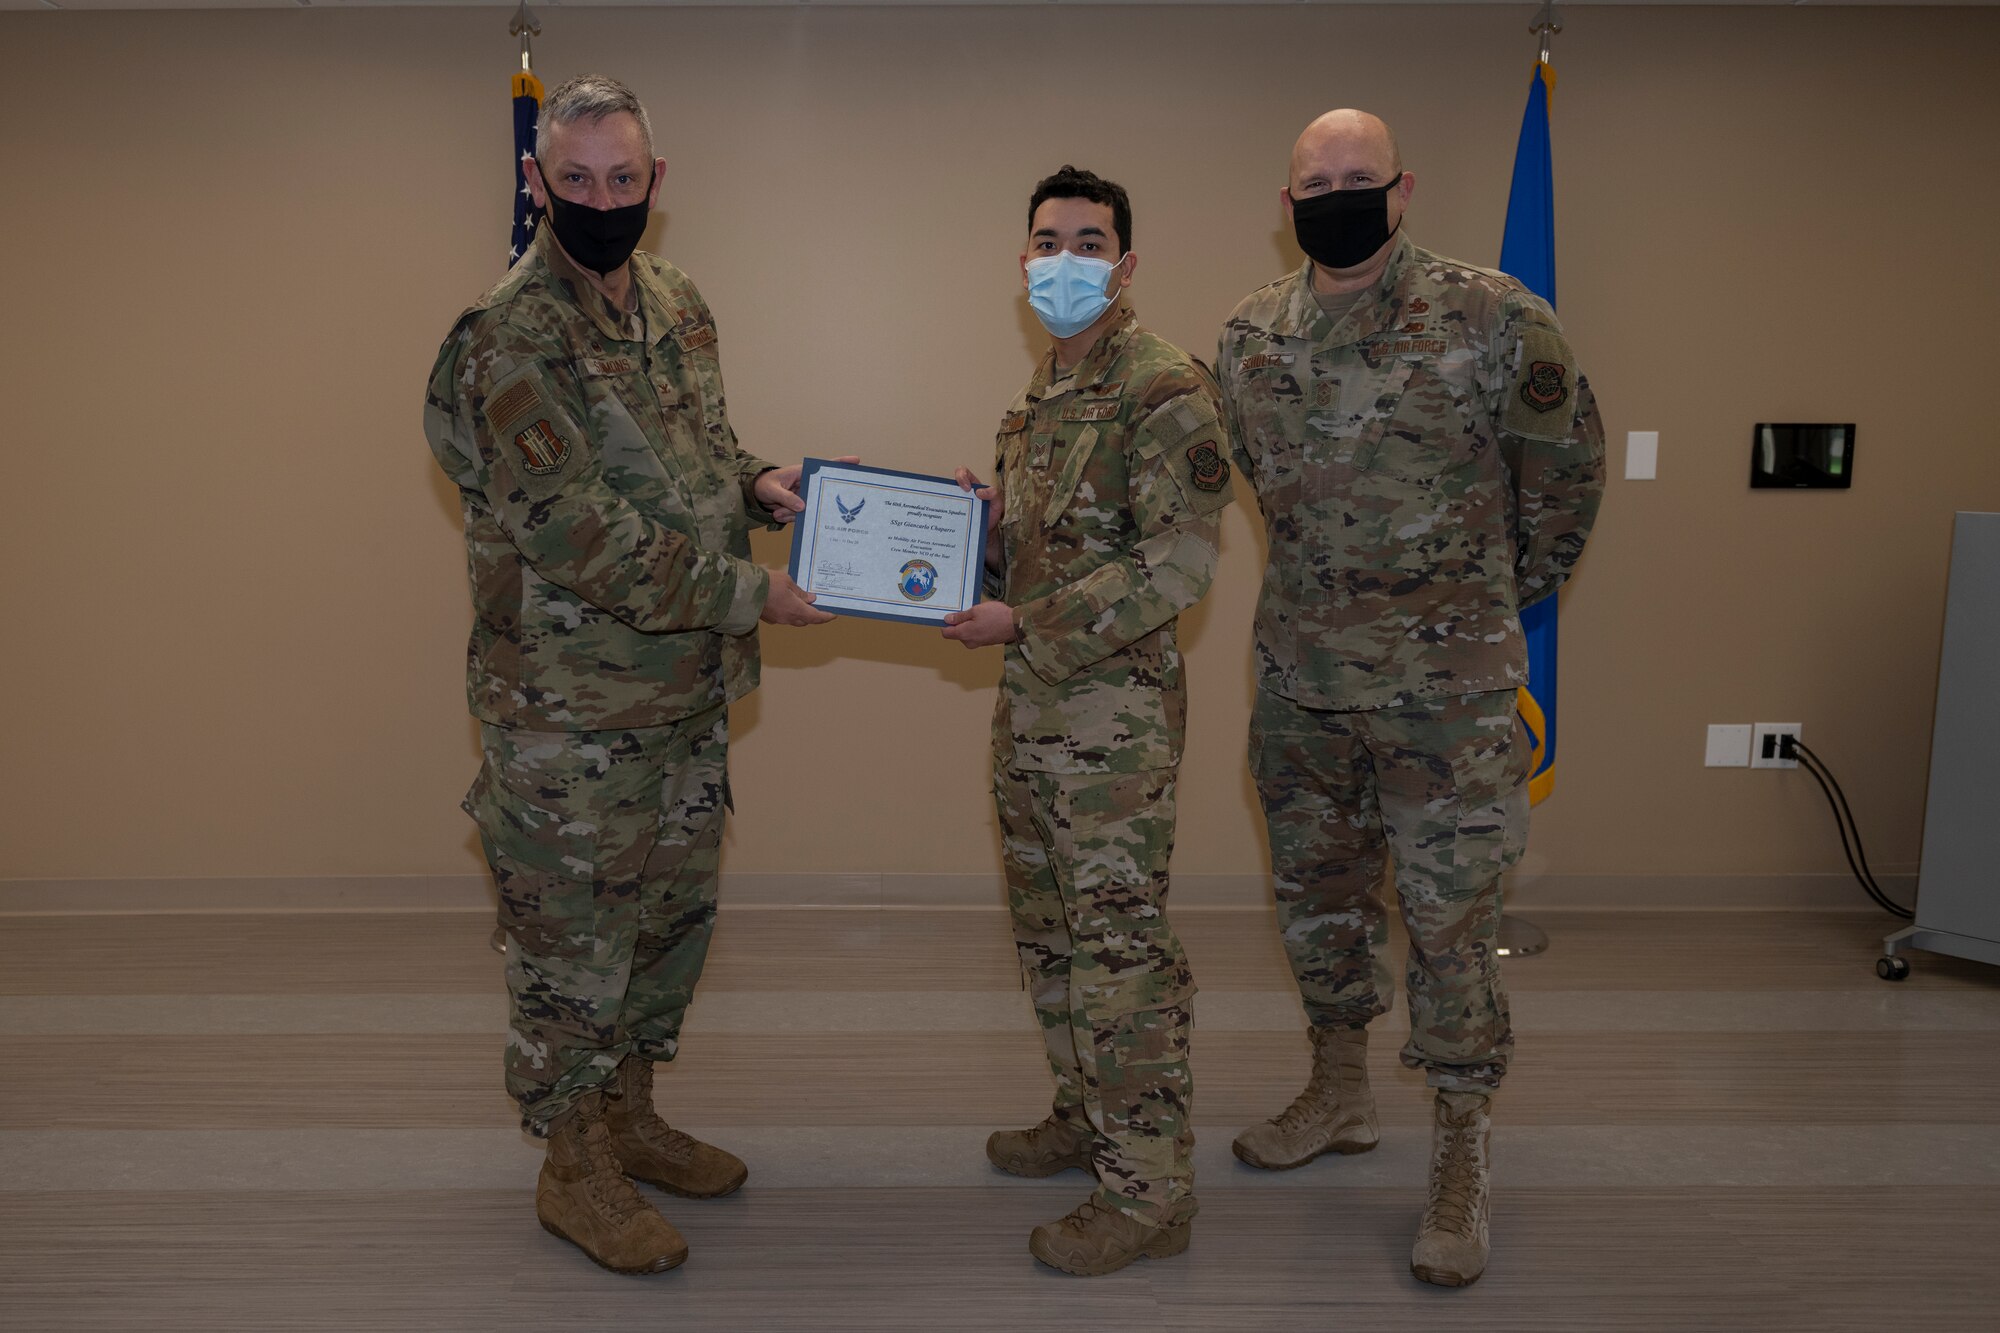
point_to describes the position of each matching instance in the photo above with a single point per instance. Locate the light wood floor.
(294, 1121)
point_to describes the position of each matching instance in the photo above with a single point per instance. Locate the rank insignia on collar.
(542, 450)
(1544, 389)
(1207, 468)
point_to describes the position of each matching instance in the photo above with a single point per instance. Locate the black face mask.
(600, 239)
(1341, 228)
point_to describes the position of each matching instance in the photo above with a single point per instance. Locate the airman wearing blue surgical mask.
(1111, 472)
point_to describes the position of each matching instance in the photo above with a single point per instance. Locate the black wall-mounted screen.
(1800, 456)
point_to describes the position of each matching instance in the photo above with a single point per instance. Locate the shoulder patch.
(1199, 465)
(1174, 421)
(1543, 386)
(542, 448)
(1540, 400)
(531, 439)
(1207, 468)
(513, 403)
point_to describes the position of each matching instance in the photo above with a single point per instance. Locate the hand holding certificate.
(887, 545)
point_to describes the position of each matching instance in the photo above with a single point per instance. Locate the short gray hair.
(589, 97)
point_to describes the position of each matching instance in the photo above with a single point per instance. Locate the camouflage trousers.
(1086, 860)
(604, 847)
(1441, 784)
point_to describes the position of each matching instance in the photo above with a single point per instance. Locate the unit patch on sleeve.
(1543, 387)
(1541, 404)
(528, 435)
(1207, 468)
(543, 449)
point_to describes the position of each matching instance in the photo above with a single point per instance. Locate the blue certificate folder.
(887, 545)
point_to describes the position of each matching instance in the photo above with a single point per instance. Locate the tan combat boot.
(1335, 1113)
(651, 1150)
(584, 1198)
(1057, 1144)
(1451, 1242)
(1095, 1240)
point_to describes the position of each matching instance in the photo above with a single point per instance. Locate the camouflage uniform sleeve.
(1553, 441)
(749, 466)
(1232, 423)
(540, 475)
(993, 582)
(1178, 464)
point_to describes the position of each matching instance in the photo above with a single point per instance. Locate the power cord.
(1791, 747)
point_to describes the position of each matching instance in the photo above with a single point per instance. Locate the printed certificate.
(889, 545)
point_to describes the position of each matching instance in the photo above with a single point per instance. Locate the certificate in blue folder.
(887, 545)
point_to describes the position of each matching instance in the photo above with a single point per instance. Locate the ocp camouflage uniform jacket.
(1427, 466)
(1114, 475)
(607, 503)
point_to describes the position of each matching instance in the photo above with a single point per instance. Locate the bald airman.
(1429, 461)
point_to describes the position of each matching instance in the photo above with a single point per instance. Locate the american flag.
(527, 106)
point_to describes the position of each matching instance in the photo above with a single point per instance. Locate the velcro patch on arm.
(534, 443)
(1207, 468)
(1186, 435)
(1200, 464)
(512, 403)
(1171, 422)
(1541, 396)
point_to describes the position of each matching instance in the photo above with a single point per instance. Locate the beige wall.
(235, 605)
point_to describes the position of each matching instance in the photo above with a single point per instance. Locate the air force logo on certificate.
(888, 545)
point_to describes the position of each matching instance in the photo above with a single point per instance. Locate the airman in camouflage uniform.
(1429, 461)
(615, 606)
(1112, 473)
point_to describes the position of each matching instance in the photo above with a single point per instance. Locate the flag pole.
(1520, 938)
(1546, 23)
(527, 27)
(525, 85)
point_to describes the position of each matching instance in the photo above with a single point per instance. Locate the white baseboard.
(760, 890)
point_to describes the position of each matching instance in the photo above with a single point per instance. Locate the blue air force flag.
(1528, 253)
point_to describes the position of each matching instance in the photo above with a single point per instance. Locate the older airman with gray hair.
(578, 407)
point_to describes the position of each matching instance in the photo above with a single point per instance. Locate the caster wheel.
(1892, 969)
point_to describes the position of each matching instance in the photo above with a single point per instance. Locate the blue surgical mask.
(1067, 291)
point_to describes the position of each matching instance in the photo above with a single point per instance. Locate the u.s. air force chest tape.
(1541, 399)
(1188, 433)
(535, 440)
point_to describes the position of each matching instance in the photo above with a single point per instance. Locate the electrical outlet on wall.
(1767, 744)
